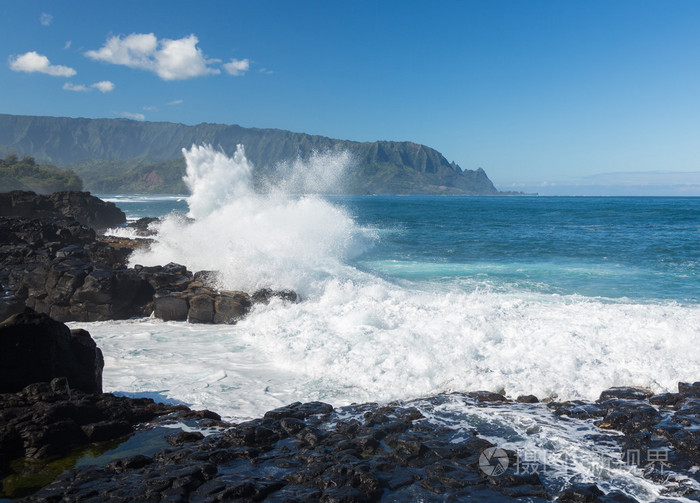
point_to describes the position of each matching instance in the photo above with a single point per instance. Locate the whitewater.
(373, 325)
(404, 298)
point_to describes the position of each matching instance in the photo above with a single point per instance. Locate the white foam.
(357, 337)
(139, 198)
(365, 339)
(379, 341)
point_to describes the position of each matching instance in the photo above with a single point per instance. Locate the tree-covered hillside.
(26, 174)
(120, 155)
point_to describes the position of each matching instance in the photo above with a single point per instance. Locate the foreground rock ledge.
(312, 452)
(81, 206)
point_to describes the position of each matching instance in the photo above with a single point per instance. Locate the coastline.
(409, 450)
(630, 440)
(629, 445)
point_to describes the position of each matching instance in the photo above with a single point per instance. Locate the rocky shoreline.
(313, 452)
(62, 439)
(302, 452)
(56, 263)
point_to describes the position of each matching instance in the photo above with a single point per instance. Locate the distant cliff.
(121, 155)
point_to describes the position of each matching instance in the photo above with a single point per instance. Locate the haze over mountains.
(121, 155)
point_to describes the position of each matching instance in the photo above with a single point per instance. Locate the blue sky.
(558, 97)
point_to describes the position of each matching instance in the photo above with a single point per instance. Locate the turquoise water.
(410, 297)
(643, 248)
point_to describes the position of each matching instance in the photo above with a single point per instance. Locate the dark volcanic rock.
(306, 452)
(56, 266)
(580, 493)
(369, 452)
(201, 309)
(665, 428)
(48, 420)
(170, 277)
(60, 267)
(51, 401)
(527, 399)
(144, 226)
(625, 393)
(35, 348)
(81, 206)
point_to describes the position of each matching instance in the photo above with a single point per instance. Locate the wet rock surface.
(49, 421)
(658, 435)
(306, 452)
(312, 452)
(60, 267)
(51, 400)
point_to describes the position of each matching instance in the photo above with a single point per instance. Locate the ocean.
(408, 297)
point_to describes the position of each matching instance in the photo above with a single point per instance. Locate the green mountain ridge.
(122, 155)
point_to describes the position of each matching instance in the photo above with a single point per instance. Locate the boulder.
(229, 307)
(170, 306)
(207, 278)
(172, 277)
(35, 348)
(201, 309)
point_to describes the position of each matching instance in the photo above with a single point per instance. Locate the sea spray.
(446, 325)
(321, 173)
(214, 179)
(413, 318)
(273, 239)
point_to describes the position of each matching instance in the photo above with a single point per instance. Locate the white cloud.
(45, 19)
(67, 45)
(150, 108)
(134, 51)
(69, 86)
(237, 66)
(129, 115)
(181, 59)
(31, 62)
(169, 59)
(104, 86)
(176, 102)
